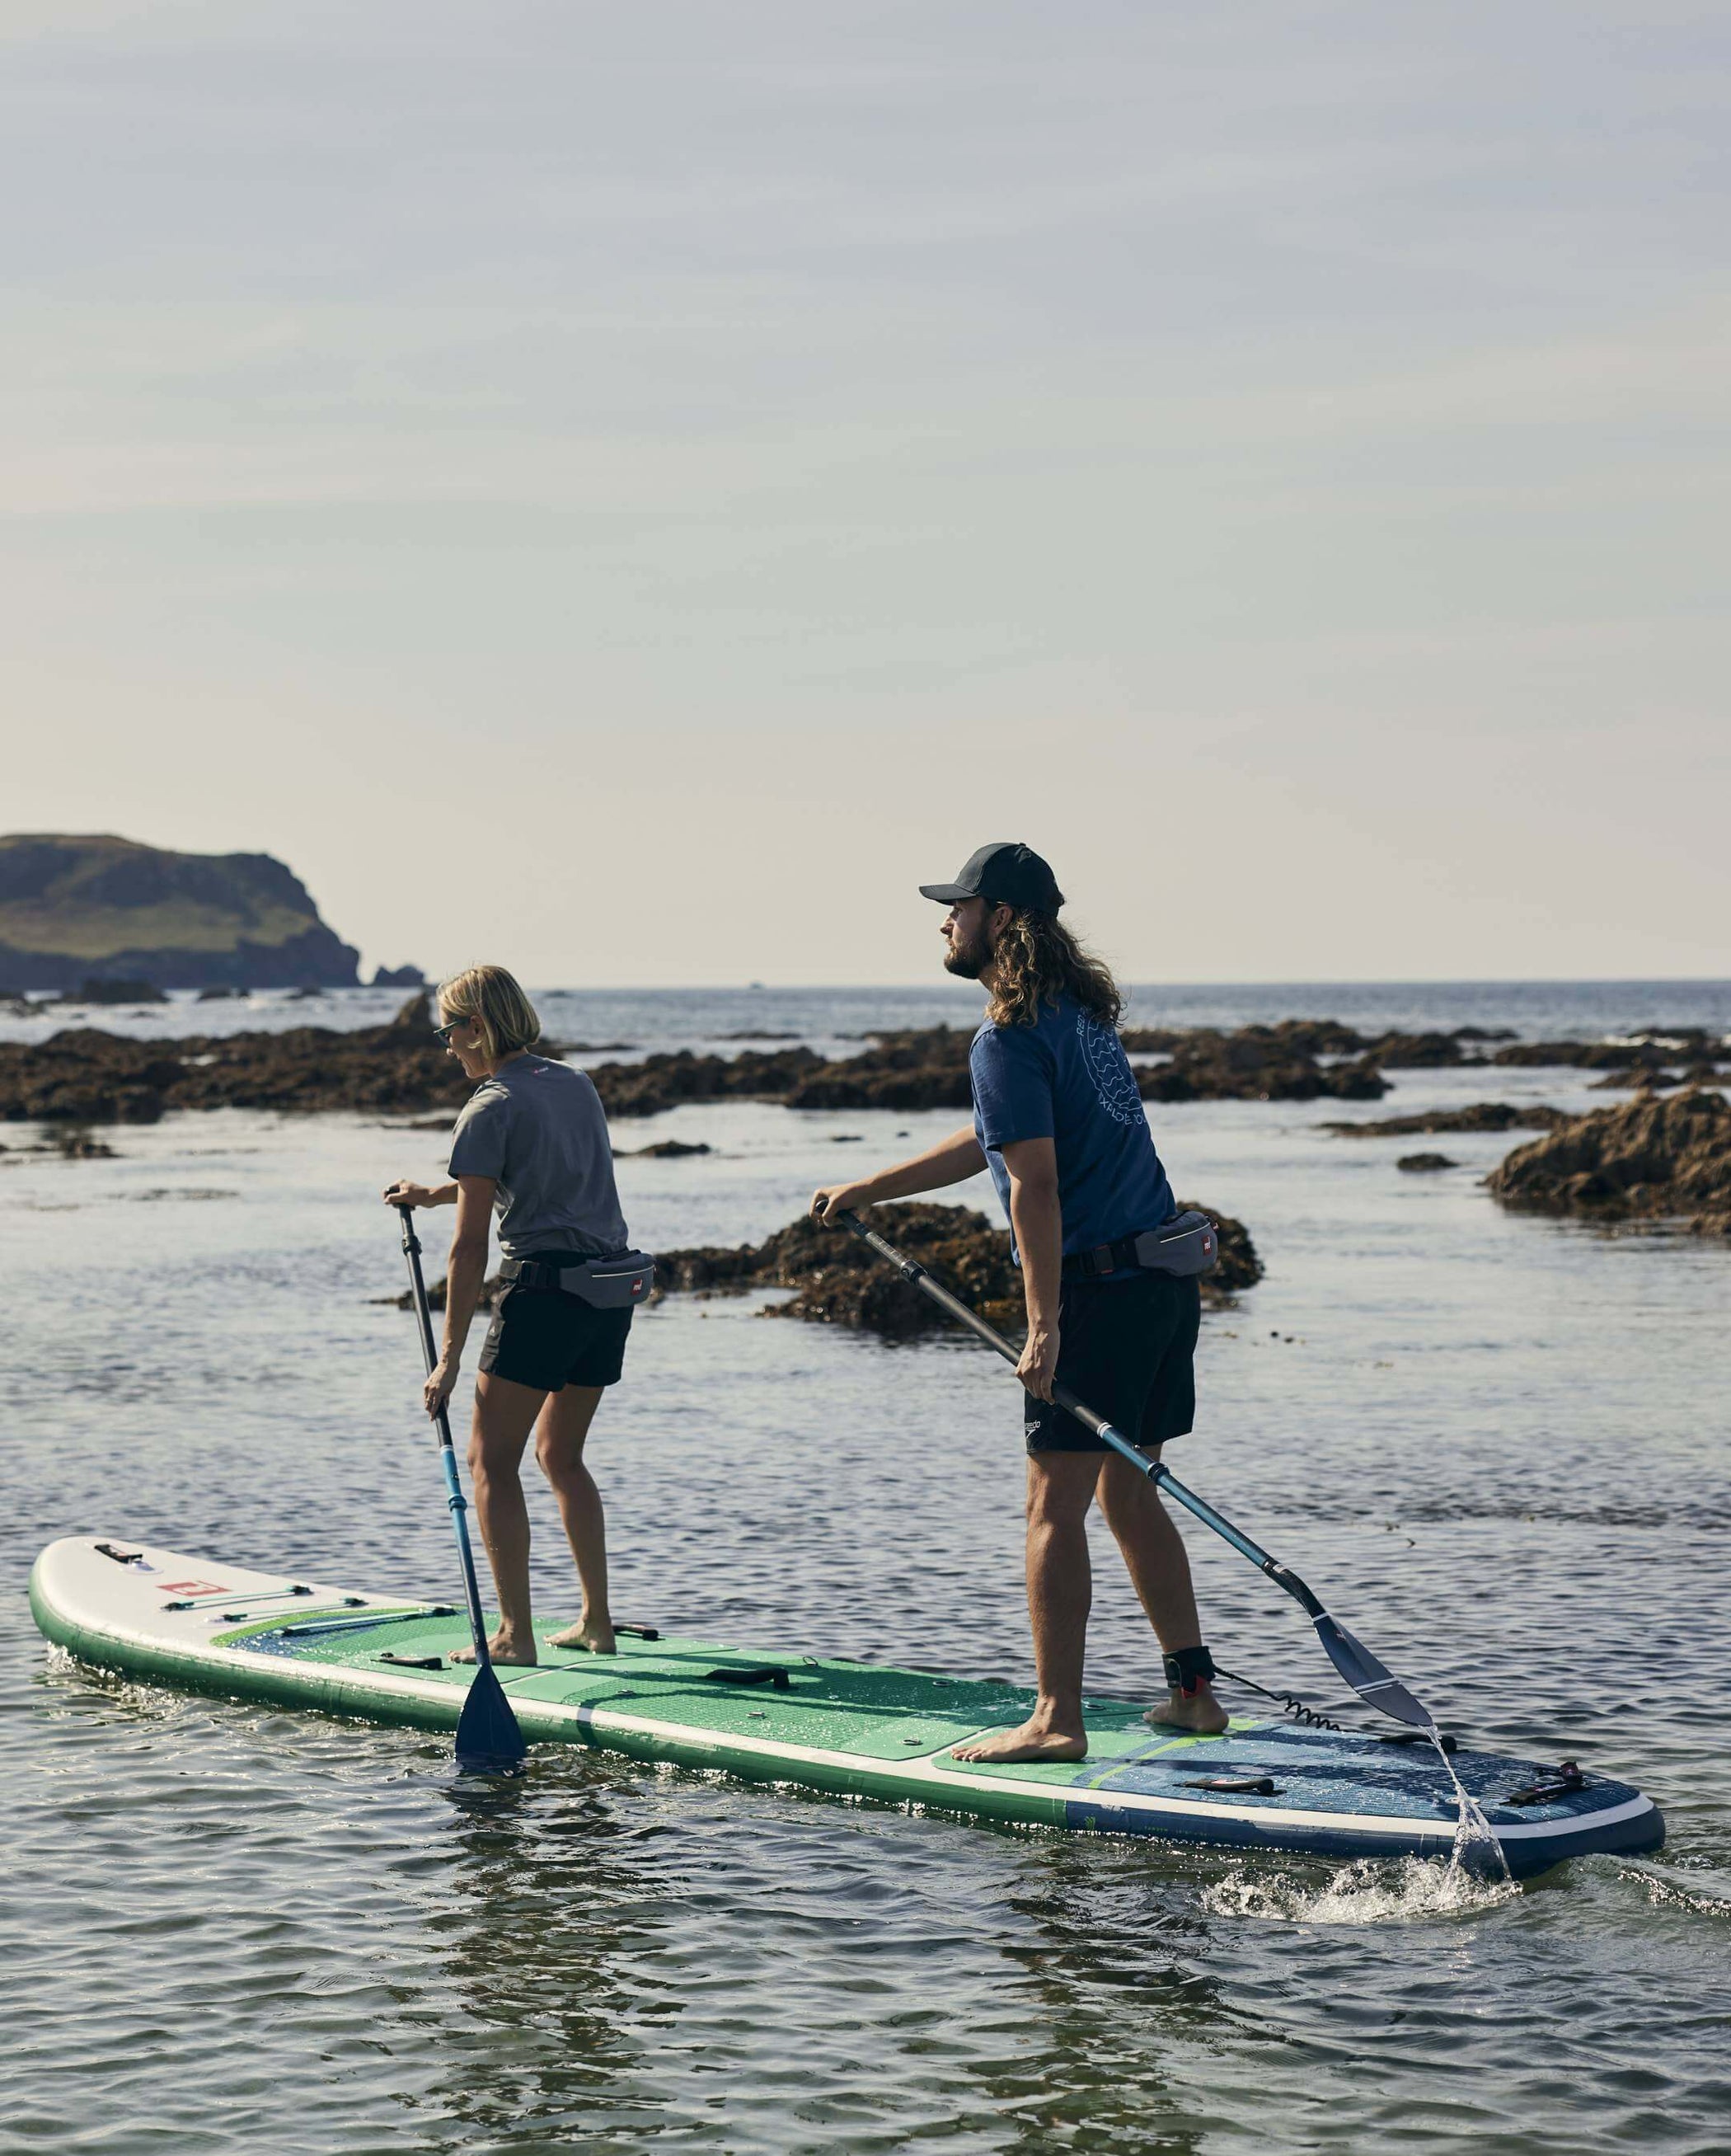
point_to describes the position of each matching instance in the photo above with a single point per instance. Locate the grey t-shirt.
(538, 1128)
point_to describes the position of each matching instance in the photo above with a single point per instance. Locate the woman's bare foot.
(1199, 1711)
(592, 1636)
(504, 1647)
(1035, 1740)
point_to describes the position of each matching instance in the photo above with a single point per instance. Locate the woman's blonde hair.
(1036, 960)
(500, 1011)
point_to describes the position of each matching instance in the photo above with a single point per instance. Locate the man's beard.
(968, 960)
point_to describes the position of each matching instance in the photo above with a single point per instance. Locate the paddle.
(1375, 1685)
(489, 1741)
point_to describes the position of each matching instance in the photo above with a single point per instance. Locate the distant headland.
(86, 910)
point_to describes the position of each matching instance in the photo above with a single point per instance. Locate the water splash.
(1476, 1878)
(1477, 1850)
(1366, 1892)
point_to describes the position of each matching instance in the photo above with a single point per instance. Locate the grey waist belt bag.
(610, 1283)
(1188, 1243)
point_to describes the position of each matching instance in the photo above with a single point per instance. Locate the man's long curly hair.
(1036, 961)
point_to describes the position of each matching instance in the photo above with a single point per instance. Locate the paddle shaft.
(911, 1269)
(446, 1450)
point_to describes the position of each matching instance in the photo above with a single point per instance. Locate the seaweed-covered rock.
(927, 1067)
(664, 1081)
(84, 1075)
(1436, 1123)
(1651, 1049)
(1420, 1051)
(1650, 1159)
(840, 1281)
(1425, 1163)
(1255, 1064)
(1290, 1036)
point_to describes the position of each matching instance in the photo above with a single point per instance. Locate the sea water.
(1495, 1443)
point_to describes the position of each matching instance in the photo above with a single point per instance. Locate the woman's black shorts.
(543, 1338)
(1127, 1348)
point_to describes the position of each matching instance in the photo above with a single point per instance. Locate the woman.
(531, 1145)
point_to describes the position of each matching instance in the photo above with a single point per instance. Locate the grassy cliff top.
(89, 897)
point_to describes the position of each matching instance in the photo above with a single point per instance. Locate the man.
(1058, 1121)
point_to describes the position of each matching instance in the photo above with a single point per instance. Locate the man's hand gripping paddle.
(489, 1741)
(1375, 1685)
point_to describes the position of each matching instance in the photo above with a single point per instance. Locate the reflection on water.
(1493, 1444)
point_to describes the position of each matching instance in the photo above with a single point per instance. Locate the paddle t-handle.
(488, 1737)
(1373, 1684)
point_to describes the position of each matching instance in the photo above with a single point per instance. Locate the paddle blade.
(489, 1741)
(1375, 1685)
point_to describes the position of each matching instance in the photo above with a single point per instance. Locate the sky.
(628, 493)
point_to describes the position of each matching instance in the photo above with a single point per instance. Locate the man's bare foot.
(1034, 1740)
(1198, 1711)
(590, 1637)
(503, 1647)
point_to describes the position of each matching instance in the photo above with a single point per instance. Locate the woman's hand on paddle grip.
(1039, 1362)
(404, 1192)
(440, 1385)
(828, 1204)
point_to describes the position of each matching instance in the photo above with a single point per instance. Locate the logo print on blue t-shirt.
(1114, 1083)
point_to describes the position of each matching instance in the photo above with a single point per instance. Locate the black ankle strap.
(1188, 1668)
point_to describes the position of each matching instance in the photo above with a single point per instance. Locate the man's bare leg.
(504, 1415)
(1159, 1566)
(1060, 1591)
(559, 1448)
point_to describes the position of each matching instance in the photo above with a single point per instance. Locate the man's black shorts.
(1127, 1348)
(543, 1338)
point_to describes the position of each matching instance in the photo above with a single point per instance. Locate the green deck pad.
(854, 1707)
(1117, 1737)
(873, 1714)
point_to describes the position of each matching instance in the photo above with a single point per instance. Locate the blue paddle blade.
(489, 1741)
(1375, 1685)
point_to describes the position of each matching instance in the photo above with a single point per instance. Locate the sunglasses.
(441, 1033)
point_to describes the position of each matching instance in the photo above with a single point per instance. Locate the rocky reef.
(1257, 1063)
(84, 1075)
(839, 1281)
(927, 1068)
(1649, 1048)
(1649, 1160)
(98, 908)
(1437, 1123)
(88, 1076)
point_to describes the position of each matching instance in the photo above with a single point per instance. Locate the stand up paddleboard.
(851, 1728)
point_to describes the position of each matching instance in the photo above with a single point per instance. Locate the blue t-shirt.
(1066, 1078)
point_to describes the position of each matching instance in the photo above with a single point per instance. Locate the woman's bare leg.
(559, 1447)
(504, 1415)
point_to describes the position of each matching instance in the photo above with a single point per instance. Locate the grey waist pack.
(1189, 1243)
(611, 1283)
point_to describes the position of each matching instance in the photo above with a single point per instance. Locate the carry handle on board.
(1375, 1685)
(489, 1741)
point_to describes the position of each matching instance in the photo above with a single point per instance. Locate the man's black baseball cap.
(1006, 872)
